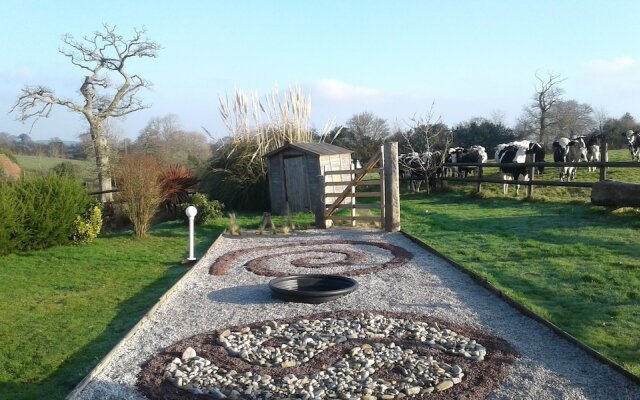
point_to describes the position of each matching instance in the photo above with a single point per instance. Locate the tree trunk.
(542, 138)
(101, 147)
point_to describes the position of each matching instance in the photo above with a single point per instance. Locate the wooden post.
(603, 169)
(381, 175)
(479, 178)
(353, 198)
(532, 172)
(391, 187)
(321, 206)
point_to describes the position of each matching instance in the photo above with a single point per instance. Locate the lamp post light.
(191, 213)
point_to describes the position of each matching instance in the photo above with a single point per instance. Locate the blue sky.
(392, 58)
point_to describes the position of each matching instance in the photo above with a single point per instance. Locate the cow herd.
(429, 166)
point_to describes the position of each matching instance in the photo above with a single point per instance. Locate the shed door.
(296, 188)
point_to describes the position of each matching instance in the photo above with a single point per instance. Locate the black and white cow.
(408, 163)
(633, 139)
(593, 149)
(474, 154)
(512, 154)
(452, 157)
(534, 151)
(569, 150)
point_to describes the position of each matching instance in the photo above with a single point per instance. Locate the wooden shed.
(296, 175)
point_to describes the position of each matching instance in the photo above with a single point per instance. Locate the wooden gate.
(381, 173)
(358, 184)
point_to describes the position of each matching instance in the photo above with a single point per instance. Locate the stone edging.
(73, 395)
(527, 312)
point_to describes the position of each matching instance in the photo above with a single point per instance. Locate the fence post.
(321, 207)
(532, 172)
(391, 187)
(479, 178)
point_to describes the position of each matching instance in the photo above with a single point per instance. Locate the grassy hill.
(42, 164)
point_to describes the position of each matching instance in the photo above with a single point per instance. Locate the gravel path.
(547, 368)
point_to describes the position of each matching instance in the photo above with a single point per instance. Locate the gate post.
(391, 188)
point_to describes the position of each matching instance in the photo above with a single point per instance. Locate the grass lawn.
(65, 307)
(577, 266)
(37, 164)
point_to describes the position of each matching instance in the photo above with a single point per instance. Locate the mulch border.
(260, 265)
(480, 377)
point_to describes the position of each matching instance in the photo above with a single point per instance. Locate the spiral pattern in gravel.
(348, 355)
(316, 255)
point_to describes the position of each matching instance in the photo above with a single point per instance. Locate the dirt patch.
(480, 377)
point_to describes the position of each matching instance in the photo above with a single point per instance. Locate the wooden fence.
(530, 182)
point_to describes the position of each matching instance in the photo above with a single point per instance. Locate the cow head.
(560, 151)
(631, 136)
(538, 153)
(578, 148)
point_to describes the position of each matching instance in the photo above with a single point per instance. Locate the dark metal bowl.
(312, 288)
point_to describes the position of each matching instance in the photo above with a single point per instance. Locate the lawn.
(576, 265)
(65, 307)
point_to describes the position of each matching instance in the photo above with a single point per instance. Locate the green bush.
(39, 212)
(233, 178)
(67, 168)
(88, 226)
(208, 210)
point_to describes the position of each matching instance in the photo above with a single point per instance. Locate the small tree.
(140, 189)
(548, 94)
(108, 90)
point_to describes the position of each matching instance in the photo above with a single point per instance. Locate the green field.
(41, 164)
(577, 266)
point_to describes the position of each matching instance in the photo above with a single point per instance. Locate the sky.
(396, 59)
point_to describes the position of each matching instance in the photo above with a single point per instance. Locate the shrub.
(175, 182)
(233, 179)
(39, 212)
(88, 226)
(208, 210)
(67, 168)
(9, 154)
(138, 178)
(11, 231)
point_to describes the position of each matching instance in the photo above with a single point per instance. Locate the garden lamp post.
(191, 214)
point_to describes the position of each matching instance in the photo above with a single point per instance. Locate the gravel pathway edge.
(73, 395)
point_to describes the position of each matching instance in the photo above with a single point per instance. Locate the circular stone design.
(313, 254)
(348, 354)
(311, 288)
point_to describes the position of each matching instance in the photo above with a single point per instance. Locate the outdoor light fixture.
(191, 214)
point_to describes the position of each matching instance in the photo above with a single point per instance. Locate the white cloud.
(616, 75)
(616, 65)
(335, 90)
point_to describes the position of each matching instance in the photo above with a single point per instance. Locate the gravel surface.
(547, 368)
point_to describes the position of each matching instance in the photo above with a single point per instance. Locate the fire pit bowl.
(311, 288)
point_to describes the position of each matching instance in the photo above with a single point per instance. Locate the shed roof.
(321, 149)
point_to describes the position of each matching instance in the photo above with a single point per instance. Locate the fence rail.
(530, 182)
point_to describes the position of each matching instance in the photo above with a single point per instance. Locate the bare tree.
(571, 119)
(164, 139)
(108, 91)
(548, 94)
